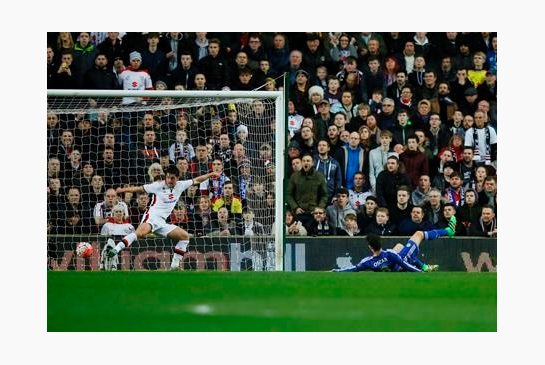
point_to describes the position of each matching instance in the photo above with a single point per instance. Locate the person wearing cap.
(135, 78)
(442, 180)
(299, 91)
(314, 53)
(315, 96)
(323, 119)
(470, 103)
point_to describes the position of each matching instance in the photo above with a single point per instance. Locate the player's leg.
(141, 232)
(181, 237)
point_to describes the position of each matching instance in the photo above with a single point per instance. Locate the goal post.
(151, 129)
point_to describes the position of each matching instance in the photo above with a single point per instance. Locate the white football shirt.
(164, 198)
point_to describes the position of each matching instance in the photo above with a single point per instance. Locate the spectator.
(433, 207)
(351, 227)
(65, 78)
(223, 150)
(228, 199)
(470, 211)
(111, 48)
(213, 187)
(352, 159)
(83, 178)
(442, 181)
(329, 167)
(112, 169)
(203, 217)
(84, 57)
(279, 54)
(469, 104)
(293, 226)
(402, 209)
(367, 212)
(100, 76)
(65, 147)
(319, 226)
(186, 71)
(223, 226)
(438, 135)
(214, 66)
(74, 219)
(182, 147)
(378, 157)
(381, 225)
(361, 190)
(323, 120)
(483, 140)
(454, 193)
(154, 173)
(341, 49)
(94, 193)
(420, 195)
(416, 162)
(118, 224)
(338, 211)
(249, 226)
(402, 129)
(488, 196)
(137, 211)
(135, 78)
(103, 209)
(445, 157)
(448, 211)
(416, 222)
(388, 182)
(307, 190)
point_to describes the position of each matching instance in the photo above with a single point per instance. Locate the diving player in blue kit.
(400, 258)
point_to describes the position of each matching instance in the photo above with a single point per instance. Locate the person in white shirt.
(165, 194)
(135, 78)
(117, 225)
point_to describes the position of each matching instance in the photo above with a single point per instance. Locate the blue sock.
(435, 233)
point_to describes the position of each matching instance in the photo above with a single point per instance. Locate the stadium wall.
(452, 254)
(257, 254)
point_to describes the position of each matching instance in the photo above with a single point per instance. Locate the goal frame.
(280, 116)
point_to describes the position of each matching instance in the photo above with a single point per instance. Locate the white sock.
(176, 257)
(126, 242)
(182, 245)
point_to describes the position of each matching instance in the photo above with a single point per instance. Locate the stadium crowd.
(389, 133)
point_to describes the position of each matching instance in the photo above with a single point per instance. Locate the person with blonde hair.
(155, 172)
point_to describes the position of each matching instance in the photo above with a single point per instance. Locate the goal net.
(98, 141)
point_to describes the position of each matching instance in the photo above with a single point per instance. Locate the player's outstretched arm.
(200, 179)
(130, 189)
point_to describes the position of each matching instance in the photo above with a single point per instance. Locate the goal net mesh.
(96, 144)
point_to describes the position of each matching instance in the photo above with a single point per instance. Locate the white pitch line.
(203, 309)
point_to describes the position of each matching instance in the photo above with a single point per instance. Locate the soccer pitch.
(271, 301)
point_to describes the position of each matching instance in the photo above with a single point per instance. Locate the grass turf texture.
(270, 301)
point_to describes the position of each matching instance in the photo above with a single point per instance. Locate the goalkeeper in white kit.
(165, 196)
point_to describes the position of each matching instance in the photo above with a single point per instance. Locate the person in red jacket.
(416, 162)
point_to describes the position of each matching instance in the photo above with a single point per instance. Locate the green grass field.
(270, 301)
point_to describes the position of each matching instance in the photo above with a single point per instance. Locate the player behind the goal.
(165, 195)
